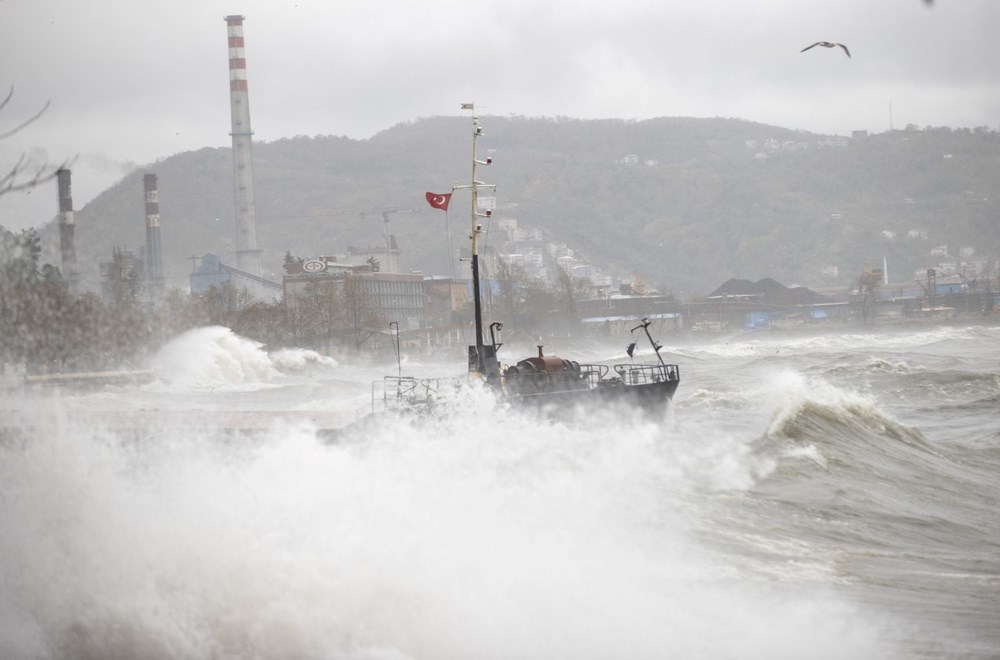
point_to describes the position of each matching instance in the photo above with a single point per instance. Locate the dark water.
(804, 497)
(887, 458)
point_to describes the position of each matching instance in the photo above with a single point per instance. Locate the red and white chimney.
(247, 254)
(154, 254)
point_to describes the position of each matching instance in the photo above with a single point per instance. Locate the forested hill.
(685, 203)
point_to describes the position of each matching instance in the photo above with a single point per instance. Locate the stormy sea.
(820, 496)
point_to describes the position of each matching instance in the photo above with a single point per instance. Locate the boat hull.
(653, 395)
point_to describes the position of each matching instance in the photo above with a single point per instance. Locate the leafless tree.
(24, 175)
(360, 315)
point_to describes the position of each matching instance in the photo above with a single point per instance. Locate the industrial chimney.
(247, 254)
(67, 227)
(154, 255)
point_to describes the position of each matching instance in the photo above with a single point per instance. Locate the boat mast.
(476, 230)
(476, 227)
(656, 345)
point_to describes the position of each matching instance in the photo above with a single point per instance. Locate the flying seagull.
(827, 44)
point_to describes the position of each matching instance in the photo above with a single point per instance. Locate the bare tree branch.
(9, 182)
(23, 125)
(7, 100)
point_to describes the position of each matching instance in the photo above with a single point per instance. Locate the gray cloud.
(140, 81)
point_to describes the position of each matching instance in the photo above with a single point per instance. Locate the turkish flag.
(438, 201)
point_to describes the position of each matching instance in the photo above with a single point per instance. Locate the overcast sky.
(133, 81)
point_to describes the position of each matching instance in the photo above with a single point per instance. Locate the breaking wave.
(475, 533)
(215, 357)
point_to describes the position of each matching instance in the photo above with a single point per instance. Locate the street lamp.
(399, 366)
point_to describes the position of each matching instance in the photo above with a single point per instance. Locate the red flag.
(438, 201)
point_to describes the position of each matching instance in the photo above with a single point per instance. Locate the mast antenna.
(477, 229)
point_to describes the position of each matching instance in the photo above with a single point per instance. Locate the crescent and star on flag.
(438, 201)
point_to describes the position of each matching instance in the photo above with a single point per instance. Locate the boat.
(538, 381)
(543, 380)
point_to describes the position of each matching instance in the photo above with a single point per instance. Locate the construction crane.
(390, 254)
(870, 280)
(930, 289)
(868, 284)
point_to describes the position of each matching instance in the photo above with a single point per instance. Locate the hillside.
(685, 203)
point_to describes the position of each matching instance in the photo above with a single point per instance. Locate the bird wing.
(808, 47)
(845, 49)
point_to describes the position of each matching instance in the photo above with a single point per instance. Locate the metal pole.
(476, 132)
(399, 365)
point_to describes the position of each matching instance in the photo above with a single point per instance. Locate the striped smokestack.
(247, 254)
(67, 225)
(154, 256)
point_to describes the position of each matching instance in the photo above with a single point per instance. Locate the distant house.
(393, 297)
(766, 291)
(208, 274)
(834, 141)
(444, 296)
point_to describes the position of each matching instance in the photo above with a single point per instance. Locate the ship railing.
(396, 392)
(642, 374)
(593, 373)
